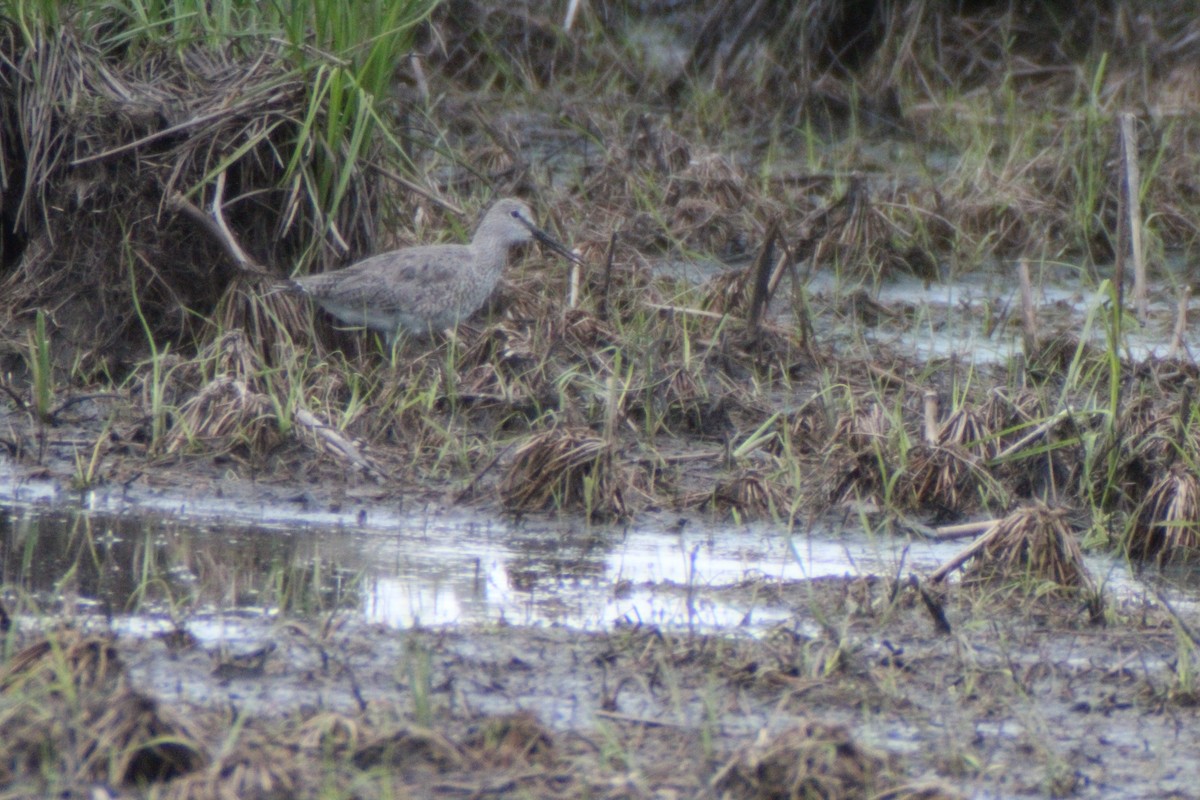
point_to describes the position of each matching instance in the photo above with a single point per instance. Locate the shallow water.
(440, 568)
(950, 320)
(975, 319)
(145, 561)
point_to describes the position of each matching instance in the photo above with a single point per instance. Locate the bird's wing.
(386, 281)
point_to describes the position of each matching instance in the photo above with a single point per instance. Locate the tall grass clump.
(202, 136)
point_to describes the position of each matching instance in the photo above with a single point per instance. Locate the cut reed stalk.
(1181, 315)
(1028, 311)
(1133, 207)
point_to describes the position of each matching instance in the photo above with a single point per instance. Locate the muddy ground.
(976, 690)
(859, 685)
(143, 660)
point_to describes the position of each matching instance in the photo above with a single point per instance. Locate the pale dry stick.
(611, 409)
(782, 264)
(696, 312)
(962, 530)
(572, 10)
(1028, 313)
(1033, 434)
(214, 223)
(177, 202)
(1120, 256)
(1177, 342)
(1134, 204)
(418, 72)
(573, 286)
(218, 215)
(964, 555)
(931, 415)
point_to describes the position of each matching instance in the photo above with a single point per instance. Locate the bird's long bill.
(551, 242)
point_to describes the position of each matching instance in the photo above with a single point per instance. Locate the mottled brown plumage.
(430, 287)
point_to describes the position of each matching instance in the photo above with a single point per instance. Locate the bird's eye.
(516, 214)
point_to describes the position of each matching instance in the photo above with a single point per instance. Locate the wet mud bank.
(852, 455)
(587, 660)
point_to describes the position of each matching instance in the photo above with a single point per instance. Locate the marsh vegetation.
(917, 267)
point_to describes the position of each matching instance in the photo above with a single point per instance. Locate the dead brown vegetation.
(1166, 526)
(619, 386)
(112, 153)
(231, 408)
(817, 759)
(810, 55)
(569, 470)
(749, 496)
(1035, 542)
(75, 683)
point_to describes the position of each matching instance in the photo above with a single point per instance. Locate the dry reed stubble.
(1036, 541)
(1166, 526)
(97, 730)
(568, 469)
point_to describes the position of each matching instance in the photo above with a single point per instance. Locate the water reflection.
(441, 569)
(117, 563)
